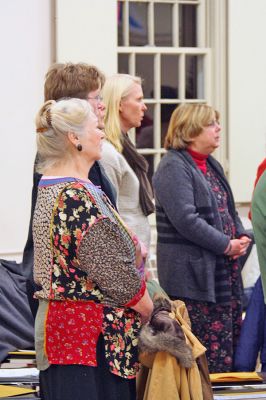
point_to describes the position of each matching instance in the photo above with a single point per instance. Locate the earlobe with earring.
(79, 147)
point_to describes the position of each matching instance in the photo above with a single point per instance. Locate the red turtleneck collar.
(200, 160)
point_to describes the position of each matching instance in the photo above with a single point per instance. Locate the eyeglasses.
(214, 122)
(97, 98)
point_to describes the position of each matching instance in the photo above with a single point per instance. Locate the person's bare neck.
(124, 127)
(74, 168)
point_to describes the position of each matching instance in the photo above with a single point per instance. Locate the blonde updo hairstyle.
(53, 123)
(186, 123)
(116, 88)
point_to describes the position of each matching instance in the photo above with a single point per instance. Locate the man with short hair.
(69, 80)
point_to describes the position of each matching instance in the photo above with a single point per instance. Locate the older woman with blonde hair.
(200, 236)
(91, 295)
(125, 167)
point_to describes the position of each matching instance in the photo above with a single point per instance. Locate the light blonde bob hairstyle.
(186, 123)
(116, 88)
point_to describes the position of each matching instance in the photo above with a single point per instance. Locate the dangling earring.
(79, 147)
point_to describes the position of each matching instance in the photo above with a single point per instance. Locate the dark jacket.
(16, 322)
(252, 341)
(190, 241)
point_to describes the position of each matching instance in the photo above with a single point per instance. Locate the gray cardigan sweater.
(191, 241)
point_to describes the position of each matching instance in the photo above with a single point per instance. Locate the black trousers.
(80, 382)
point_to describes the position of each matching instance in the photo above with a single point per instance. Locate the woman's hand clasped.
(238, 247)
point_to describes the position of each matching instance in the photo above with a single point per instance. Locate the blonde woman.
(124, 166)
(200, 236)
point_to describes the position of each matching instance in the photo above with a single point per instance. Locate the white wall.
(246, 93)
(86, 31)
(25, 56)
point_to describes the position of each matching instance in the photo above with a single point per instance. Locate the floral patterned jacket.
(84, 262)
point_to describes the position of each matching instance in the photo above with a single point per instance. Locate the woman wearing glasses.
(200, 236)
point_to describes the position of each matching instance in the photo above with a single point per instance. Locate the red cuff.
(137, 296)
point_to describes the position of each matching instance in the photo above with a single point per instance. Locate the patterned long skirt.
(218, 329)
